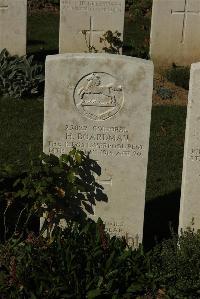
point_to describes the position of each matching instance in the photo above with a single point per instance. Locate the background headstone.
(175, 32)
(94, 17)
(13, 23)
(101, 103)
(190, 193)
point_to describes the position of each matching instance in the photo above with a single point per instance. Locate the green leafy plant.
(175, 265)
(55, 188)
(111, 42)
(164, 93)
(128, 4)
(20, 76)
(80, 262)
(76, 258)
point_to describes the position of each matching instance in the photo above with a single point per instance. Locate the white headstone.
(95, 17)
(101, 103)
(190, 193)
(13, 20)
(175, 32)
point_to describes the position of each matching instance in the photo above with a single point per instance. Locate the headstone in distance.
(94, 17)
(13, 23)
(175, 34)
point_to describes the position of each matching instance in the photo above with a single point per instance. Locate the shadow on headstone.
(161, 218)
(84, 202)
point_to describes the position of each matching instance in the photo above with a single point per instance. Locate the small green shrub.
(164, 93)
(81, 262)
(20, 76)
(111, 42)
(180, 76)
(56, 187)
(175, 265)
(128, 4)
(75, 258)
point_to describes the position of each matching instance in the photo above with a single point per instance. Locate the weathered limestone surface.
(101, 103)
(175, 32)
(95, 17)
(13, 20)
(190, 193)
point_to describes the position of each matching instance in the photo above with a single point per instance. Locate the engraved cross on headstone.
(107, 181)
(103, 179)
(185, 13)
(3, 7)
(91, 31)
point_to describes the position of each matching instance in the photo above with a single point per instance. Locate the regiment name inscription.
(92, 5)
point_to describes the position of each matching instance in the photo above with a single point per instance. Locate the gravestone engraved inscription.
(13, 15)
(175, 32)
(93, 18)
(101, 104)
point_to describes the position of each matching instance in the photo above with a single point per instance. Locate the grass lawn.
(20, 131)
(43, 33)
(166, 150)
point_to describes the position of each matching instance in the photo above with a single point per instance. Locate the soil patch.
(180, 95)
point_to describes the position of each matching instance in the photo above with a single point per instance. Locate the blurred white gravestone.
(13, 23)
(190, 193)
(94, 18)
(175, 34)
(101, 104)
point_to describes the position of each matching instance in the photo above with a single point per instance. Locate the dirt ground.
(180, 95)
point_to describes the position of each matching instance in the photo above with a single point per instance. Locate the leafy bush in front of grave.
(80, 262)
(111, 42)
(175, 265)
(180, 76)
(57, 188)
(71, 257)
(128, 4)
(164, 93)
(20, 76)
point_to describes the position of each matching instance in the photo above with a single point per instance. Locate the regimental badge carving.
(98, 96)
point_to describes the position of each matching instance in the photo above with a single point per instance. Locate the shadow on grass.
(161, 218)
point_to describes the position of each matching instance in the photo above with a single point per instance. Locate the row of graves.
(101, 103)
(174, 28)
